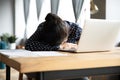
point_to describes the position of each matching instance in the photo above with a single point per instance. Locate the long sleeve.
(74, 32)
(40, 46)
(35, 42)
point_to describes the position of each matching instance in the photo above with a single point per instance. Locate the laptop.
(98, 35)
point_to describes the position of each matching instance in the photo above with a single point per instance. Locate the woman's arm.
(74, 32)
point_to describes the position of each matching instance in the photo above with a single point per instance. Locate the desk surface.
(69, 62)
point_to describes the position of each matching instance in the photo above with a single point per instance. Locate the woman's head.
(54, 29)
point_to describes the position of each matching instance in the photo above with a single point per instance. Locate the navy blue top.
(34, 44)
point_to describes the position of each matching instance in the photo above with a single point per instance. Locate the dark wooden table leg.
(39, 76)
(20, 76)
(7, 72)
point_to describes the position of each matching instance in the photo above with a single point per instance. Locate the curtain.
(38, 6)
(26, 9)
(26, 13)
(54, 6)
(77, 6)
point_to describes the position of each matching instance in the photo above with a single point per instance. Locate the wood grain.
(69, 62)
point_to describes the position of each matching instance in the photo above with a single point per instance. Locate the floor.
(14, 75)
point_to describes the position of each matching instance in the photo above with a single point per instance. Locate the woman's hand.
(68, 46)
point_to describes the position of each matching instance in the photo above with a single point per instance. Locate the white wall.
(112, 9)
(6, 16)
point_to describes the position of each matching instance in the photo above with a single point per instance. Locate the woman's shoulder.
(41, 24)
(71, 24)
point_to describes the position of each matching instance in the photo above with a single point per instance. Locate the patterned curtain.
(54, 6)
(77, 6)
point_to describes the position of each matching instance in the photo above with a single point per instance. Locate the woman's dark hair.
(54, 29)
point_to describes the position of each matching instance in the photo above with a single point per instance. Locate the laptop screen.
(99, 35)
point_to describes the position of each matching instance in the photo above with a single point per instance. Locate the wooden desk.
(74, 65)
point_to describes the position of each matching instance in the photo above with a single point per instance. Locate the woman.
(53, 34)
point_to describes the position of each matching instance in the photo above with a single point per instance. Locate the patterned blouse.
(33, 44)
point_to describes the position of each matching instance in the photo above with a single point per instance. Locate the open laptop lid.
(98, 35)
